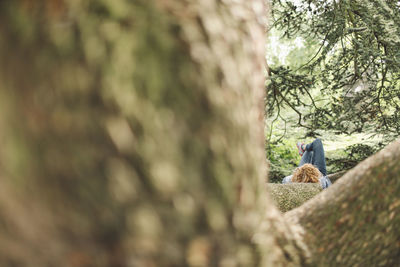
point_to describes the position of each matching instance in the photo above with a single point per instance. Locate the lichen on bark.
(136, 134)
(290, 196)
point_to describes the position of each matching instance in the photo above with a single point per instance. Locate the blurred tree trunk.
(132, 135)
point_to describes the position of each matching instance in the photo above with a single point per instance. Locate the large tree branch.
(290, 196)
(335, 176)
(356, 221)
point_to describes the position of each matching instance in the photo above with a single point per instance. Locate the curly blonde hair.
(306, 174)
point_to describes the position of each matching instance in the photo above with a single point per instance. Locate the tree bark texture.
(293, 195)
(132, 135)
(356, 221)
(337, 175)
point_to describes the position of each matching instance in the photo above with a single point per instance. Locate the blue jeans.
(315, 155)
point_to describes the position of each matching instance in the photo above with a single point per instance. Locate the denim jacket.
(324, 181)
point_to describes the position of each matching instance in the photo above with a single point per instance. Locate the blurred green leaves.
(354, 66)
(283, 159)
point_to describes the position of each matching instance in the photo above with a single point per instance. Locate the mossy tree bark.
(132, 135)
(356, 221)
(293, 195)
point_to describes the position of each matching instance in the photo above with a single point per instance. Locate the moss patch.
(290, 196)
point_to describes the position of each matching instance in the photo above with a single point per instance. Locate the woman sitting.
(312, 167)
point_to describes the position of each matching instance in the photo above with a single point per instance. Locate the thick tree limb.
(290, 196)
(356, 221)
(335, 176)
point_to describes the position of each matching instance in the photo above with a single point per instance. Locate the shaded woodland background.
(333, 74)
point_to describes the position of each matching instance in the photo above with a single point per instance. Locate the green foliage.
(350, 156)
(342, 80)
(355, 69)
(283, 158)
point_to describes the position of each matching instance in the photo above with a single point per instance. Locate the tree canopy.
(354, 68)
